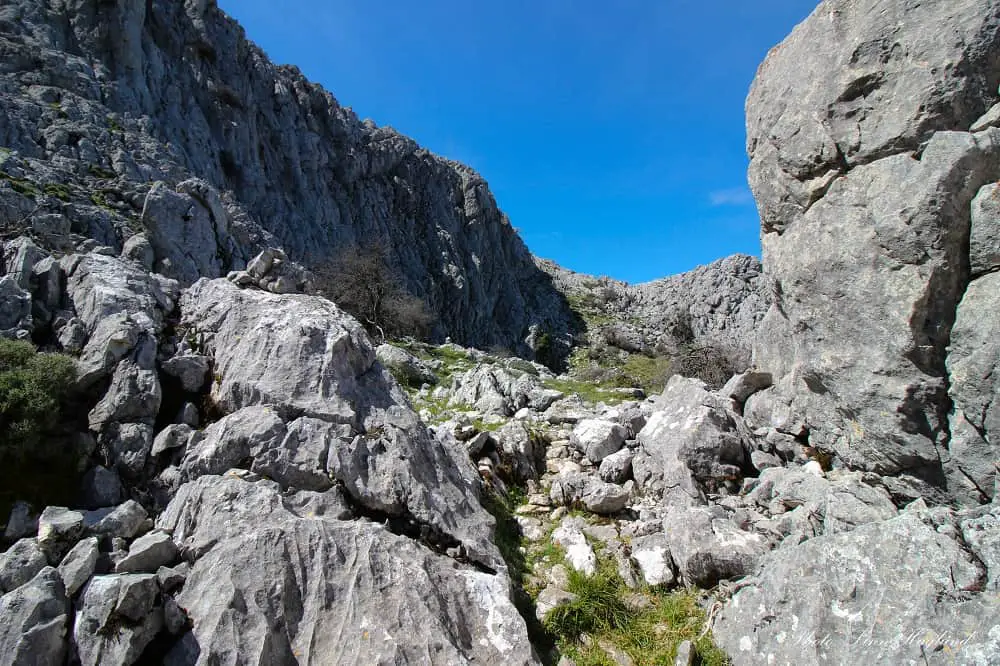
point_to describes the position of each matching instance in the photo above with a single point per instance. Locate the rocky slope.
(720, 304)
(100, 101)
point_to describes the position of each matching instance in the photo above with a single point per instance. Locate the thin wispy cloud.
(734, 196)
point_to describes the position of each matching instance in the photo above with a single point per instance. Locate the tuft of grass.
(588, 391)
(599, 607)
(650, 373)
(20, 185)
(650, 636)
(57, 190)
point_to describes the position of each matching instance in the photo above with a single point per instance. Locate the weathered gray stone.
(305, 358)
(15, 309)
(134, 396)
(191, 369)
(597, 439)
(148, 553)
(617, 467)
(652, 555)
(101, 487)
(877, 98)
(984, 236)
(604, 498)
(129, 444)
(888, 592)
(118, 617)
(22, 522)
(579, 554)
(174, 436)
(125, 521)
(981, 534)
(405, 366)
(20, 563)
(232, 439)
(190, 231)
(79, 565)
(59, 529)
(708, 548)
(522, 448)
(549, 599)
(742, 386)
(408, 598)
(19, 258)
(974, 372)
(35, 622)
(138, 249)
(692, 439)
(865, 178)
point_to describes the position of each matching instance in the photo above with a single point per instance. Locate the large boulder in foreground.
(901, 591)
(864, 169)
(344, 417)
(277, 581)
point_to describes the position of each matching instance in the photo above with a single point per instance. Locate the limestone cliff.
(100, 100)
(873, 166)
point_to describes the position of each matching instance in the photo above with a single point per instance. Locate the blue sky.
(611, 133)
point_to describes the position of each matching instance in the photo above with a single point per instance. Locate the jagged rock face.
(865, 171)
(101, 101)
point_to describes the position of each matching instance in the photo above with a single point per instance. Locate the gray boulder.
(148, 553)
(402, 599)
(79, 565)
(59, 529)
(101, 487)
(617, 467)
(35, 622)
(597, 439)
(15, 309)
(865, 177)
(118, 617)
(190, 369)
(405, 366)
(841, 501)
(897, 591)
(20, 563)
(306, 359)
(651, 553)
(878, 98)
(189, 230)
(974, 373)
(125, 521)
(21, 523)
(708, 547)
(522, 448)
(691, 439)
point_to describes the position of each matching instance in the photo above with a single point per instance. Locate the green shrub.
(32, 387)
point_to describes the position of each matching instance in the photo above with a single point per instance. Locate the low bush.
(32, 388)
(36, 462)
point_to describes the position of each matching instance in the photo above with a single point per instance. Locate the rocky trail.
(205, 461)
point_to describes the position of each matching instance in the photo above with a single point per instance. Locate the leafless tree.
(361, 281)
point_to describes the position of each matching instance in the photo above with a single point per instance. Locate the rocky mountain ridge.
(100, 102)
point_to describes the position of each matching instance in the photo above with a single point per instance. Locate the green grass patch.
(650, 635)
(588, 391)
(20, 185)
(100, 172)
(648, 373)
(57, 190)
